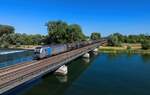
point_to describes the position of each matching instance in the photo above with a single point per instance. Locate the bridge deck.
(19, 74)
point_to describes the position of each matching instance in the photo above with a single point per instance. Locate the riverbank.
(109, 49)
(28, 47)
(22, 47)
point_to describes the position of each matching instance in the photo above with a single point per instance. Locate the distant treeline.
(117, 39)
(62, 32)
(9, 37)
(58, 32)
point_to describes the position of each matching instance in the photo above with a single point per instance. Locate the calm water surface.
(11, 57)
(105, 74)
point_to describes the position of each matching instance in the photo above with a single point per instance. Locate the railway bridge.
(18, 74)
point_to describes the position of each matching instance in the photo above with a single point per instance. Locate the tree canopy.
(9, 37)
(57, 31)
(146, 44)
(61, 32)
(6, 29)
(75, 33)
(114, 40)
(95, 36)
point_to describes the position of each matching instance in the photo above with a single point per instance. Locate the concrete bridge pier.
(63, 70)
(86, 55)
(95, 51)
(86, 60)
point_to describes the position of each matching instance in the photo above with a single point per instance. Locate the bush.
(129, 47)
(145, 44)
(17, 44)
(4, 45)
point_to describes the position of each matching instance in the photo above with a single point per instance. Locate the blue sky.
(104, 16)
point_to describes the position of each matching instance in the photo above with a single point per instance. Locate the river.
(11, 57)
(104, 74)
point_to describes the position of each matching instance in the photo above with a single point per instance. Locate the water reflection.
(95, 53)
(145, 58)
(56, 85)
(112, 55)
(62, 79)
(86, 60)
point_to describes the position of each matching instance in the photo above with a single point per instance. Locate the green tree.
(6, 32)
(113, 40)
(146, 44)
(95, 36)
(6, 29)
(120, 37)
(75, 33)
(9, 37)
(61, 32)
(24, 39)
(57, 31)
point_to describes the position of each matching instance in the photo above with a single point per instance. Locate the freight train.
(50, 50)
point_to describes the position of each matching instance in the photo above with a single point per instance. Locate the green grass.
(122, 50)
